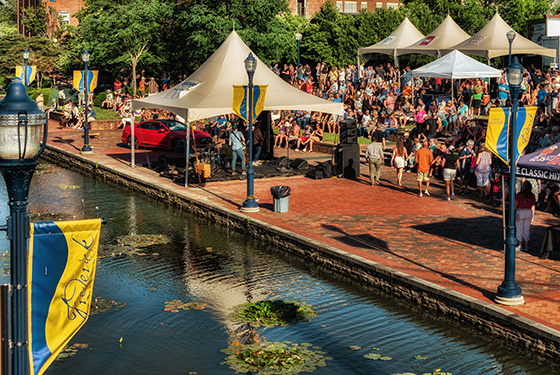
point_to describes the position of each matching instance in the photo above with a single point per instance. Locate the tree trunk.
(134, 61)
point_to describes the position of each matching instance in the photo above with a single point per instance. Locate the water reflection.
(205, 263)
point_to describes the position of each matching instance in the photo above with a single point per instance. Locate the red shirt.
(524, 203)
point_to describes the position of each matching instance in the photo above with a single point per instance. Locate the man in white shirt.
(374, 156)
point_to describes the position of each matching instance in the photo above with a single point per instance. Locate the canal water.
(219, 269)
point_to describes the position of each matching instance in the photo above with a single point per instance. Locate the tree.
(123, 33)
(43, 53)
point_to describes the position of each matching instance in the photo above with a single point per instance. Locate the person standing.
(152, 86)
(524, 212)
(374, 156)
(398, 160)
(423, 160)
(482, 170)
(450, 163)
(477, 97)
(465, 162)
(142, 87)
(237, 142)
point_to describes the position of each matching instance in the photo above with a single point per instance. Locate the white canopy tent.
(209, 91)
(403, 36)
(456, 65)
(491, 41)
(447, 34)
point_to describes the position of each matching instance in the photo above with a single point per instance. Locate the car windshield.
(174, 125)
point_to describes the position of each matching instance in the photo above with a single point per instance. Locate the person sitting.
(281, 137)
(108, 102)
(305, 139)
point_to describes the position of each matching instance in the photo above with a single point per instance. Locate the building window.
(392, 5)
(64, 17)
(379, 5)
(339, 6)
(363, 5)
(350, 7)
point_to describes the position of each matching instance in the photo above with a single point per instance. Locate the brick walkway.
(456, 244)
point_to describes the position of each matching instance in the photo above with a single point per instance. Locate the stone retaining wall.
(482, 316)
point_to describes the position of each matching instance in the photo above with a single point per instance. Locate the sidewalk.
(456, 244)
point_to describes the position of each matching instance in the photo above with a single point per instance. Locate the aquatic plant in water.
(100, 305)
(274, 358)
(176, 305)
(133, 244)
(70, 351)
(273, 313)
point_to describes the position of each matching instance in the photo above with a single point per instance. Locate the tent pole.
(187, 148)
(132, 143)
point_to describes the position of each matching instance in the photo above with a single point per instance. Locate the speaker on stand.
(347, 153)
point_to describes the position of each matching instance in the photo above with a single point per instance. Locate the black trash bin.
(281, 198)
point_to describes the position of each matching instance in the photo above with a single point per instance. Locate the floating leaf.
(374, 348)
(386, 358)
(354, 347)
(420, 357)
(372, 356)
(70, 187)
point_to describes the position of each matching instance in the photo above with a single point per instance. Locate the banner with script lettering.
(240, 100)
(91, 80)
(61, 271)
(31, 73)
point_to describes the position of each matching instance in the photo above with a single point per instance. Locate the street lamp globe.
(298, 36)
(511, 35)
(85, 56)
(26, 54)
(20, 125)
(250, 63)
(515, 72)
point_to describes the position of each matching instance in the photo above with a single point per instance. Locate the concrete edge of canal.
(458, 306)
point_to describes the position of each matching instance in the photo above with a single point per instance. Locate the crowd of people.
(388, 103)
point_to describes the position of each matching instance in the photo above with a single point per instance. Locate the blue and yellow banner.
(91, 80)
(240, 99)
(31, 73)
(61, 271)
(497, 134)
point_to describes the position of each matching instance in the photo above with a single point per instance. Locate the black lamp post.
(20, 146)
(250, 204)
(509, 293)
(298, 39)
(25, 60)
(86, 149)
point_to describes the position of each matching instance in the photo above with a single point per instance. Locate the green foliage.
(35, 19)
(98, 99)
(272, 313)
(34, 93)
(43, 53)
(274, 358)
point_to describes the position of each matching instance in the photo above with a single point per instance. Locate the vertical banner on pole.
(91, 80)
(31, 73)
(497, 135)
(240, 99)
(61, 271)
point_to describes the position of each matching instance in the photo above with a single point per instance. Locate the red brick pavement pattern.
(455, 244)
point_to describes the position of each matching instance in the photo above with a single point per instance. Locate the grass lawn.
(334, 138)
(106, 114)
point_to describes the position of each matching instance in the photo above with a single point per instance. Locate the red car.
(169, 134)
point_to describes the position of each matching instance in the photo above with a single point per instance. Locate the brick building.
(57, 9)
(308, 8)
